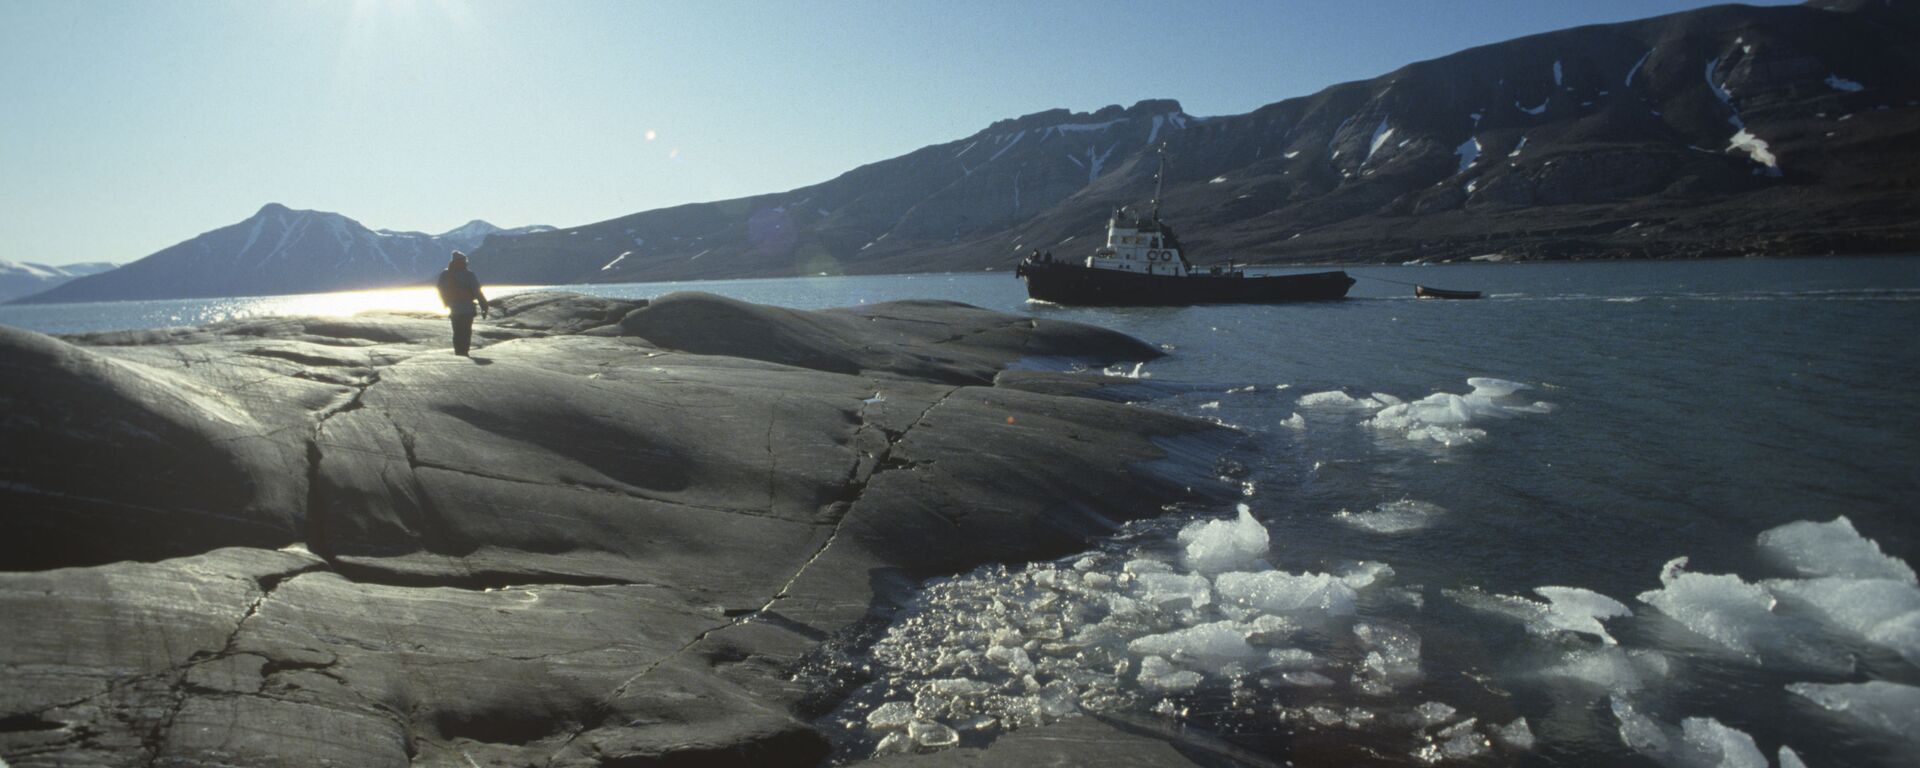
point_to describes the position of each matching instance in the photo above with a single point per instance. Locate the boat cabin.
(1145, 246)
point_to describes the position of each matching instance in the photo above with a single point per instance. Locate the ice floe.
(1393, 517)
(1142, 631)
(1568, 609)
(1889, 708)
(1221, 545)
(1447, 418)
(1699, 742)
(1831, 549)
(1338, 399)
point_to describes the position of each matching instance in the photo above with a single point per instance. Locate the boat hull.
(1442, 293)
(1075, 284)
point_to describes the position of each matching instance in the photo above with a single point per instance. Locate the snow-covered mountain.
(18, 278)
(280, 250)
(470, 235)
(1722, 131)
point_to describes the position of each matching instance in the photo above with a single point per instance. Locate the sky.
(127, 127)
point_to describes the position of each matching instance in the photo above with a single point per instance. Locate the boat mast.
(1159, 180)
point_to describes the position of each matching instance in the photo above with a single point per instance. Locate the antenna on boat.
(1159, 180)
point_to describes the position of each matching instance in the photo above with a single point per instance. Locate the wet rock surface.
(611, 537)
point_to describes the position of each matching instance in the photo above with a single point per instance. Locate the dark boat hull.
(1442, 293)
(1075, 284)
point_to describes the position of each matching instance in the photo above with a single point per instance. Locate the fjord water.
(1673, 409)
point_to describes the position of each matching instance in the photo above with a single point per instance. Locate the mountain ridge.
(1601, 141)
(280, 250)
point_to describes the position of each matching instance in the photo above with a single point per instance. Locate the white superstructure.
(1133, 245)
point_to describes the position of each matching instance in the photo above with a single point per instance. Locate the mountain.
(470, 235)
(19, 278)
(280, 250)
(1723, 131)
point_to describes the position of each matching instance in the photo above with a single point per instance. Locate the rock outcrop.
(614, 536)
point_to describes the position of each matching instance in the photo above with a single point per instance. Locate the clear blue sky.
(126, 127)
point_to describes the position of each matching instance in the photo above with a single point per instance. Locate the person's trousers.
(462, 333)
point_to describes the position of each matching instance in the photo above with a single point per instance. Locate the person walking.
(459, 289)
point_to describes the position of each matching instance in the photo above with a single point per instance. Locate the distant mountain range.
(1725, 131)
(278, 251)
(23, 278)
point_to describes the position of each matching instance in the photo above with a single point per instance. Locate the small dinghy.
(1442, 293)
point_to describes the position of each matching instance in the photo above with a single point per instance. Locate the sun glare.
(347, 303)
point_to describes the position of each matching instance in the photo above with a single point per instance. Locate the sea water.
(1624, 513)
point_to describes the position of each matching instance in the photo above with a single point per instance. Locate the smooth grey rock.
(611, 537)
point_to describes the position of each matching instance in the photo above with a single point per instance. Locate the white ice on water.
(1448, 419)
(1889, 708)
(1699, 742)
(1852, 589)
(1568, 609)
(1399, 516)
(1011, 648)
(1832, 549)
(1338, 399)
(1720, 607)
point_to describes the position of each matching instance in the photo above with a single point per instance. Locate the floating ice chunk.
(1014, 660)
(1580, 610)
(1790, 758)
(1721, 608)
(1393, 516)
(895, 743)
(1831, 549)
(1306, 679)
(1219, 545)
(892, 715)
(1174, 589)
(1639, 732)
(1882, 611)
(1208, 646)
(1707, 742)
(1156, 674)
(1290, 658)
(1461, 742)
(1569, 609)
(1890, 708)
(1611, 669)
(1393, 658)
(1281, 592)
(1364, 573)
(930, 736)
(1337, 399)
(1433, 713)
(1491, 387)
(1516, 735)
(1445, 417)
(1267, 629)
(1294, 422)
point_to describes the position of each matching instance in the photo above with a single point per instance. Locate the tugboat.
(1142, 264)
